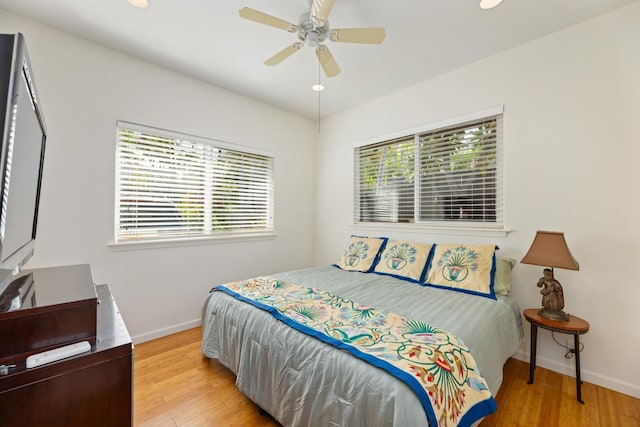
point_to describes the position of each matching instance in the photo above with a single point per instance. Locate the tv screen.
(22, 156)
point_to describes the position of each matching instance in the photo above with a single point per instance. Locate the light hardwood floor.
(174, 385)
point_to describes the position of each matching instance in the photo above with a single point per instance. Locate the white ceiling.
(208, 40)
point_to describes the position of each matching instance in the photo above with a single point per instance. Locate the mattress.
(302, 381)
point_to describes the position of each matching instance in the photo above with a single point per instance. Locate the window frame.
(497, 228)
(268, 232)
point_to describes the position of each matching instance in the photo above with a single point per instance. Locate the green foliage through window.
(175, 186)
(440, 176)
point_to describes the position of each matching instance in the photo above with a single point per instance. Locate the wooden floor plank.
(627, 405)
(175, 386)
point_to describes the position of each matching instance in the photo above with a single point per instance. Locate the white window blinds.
(170, 185)
(385, 176)
(450, 176)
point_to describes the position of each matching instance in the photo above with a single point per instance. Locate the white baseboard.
(159, 333)
(588, 376)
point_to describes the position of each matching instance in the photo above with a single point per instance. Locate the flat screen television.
(21, 158)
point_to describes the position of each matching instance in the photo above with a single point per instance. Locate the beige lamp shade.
(549, 249)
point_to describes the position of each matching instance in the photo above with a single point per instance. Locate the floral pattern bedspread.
(436, 365)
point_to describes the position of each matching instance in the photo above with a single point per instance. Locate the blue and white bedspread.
(303, 381)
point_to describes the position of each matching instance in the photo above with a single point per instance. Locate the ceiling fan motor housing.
(312, 31)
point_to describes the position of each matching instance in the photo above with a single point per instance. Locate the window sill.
(429, 229)
(180, 242)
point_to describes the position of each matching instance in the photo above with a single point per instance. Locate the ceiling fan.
(313, 30)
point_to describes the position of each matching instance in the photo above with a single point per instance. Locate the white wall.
(84, 89)
(572, 143)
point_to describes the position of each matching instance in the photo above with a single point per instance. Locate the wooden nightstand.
(575, 326)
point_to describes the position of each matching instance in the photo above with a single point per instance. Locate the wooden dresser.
(90, 389)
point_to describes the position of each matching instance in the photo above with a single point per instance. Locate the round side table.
(575, 326)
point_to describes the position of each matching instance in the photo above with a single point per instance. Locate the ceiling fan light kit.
(313, 30)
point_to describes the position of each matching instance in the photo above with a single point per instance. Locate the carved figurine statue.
(552, 297)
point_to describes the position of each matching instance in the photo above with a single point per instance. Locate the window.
(448, 174)
(170, 185)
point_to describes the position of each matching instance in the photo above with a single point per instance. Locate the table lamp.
(549, 249)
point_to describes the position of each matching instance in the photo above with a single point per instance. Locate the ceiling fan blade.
(327, 61)
(358, 35)
(283, 54)
(263, 18)
(320, 9)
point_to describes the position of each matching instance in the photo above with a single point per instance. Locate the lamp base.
(557, 315)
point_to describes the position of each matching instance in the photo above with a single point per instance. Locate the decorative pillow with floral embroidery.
(464, 268)
(362, 253)
(404, 260)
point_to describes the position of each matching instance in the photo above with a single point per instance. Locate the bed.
(305, 381)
